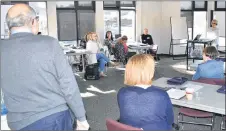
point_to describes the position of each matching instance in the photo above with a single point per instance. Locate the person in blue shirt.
(210, 68)
(141, 104)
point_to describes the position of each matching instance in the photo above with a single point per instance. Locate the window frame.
(193, 10)
(119, 9)
(219, 9)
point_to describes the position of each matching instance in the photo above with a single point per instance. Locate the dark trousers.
(57, 121)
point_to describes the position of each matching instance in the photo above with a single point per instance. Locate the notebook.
(176, 94)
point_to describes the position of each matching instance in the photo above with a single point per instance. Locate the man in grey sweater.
(40, 90)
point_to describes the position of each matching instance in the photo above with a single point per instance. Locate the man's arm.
(68, 84)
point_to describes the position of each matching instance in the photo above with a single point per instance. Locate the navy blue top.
(210, 69)
(150, 109)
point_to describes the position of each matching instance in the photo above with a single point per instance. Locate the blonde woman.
(142, 104)
(95, 48)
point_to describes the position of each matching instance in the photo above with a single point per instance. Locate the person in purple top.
(141, 104)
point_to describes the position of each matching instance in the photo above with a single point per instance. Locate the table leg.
(83, 64)
(187, 55)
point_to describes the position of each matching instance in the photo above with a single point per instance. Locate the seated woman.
(109, 42)
(142, 104)
(121, 49)
(210, 68)
(95, 48)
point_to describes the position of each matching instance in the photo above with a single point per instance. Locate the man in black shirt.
(146, 38)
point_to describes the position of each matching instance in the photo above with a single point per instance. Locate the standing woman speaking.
(213, 33)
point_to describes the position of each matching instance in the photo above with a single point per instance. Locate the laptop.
(197, 37)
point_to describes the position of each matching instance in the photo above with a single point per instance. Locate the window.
(189, 18)
(86, 22)
(67, 27)
(128, 24)
(119, 17)
(220, 5)
(196, 14)
(200, 23)
(75, 19)
(65, 4)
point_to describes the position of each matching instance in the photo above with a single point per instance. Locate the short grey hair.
(211, 52)
(23, 19)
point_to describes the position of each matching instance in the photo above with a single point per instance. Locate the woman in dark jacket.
(141, 104)
(108, 41)
(121, 49)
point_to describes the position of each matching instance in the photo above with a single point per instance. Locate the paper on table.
(176, 94)
(196, 87)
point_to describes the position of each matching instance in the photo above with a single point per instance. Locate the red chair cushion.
(113, 125)
(195, 113)
(211, 81)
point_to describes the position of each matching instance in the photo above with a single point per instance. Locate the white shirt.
(213, 34)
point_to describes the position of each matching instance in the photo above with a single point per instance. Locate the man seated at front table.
(147, 39)
(210, 68)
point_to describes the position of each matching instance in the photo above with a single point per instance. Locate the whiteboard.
(179, 28)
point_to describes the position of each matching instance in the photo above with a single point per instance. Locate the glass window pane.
(109, 2)
(86, 23)
(67, 27)
(4, 27)
(200, 23)
(85, 3)
(188, 15)
(221, 4)
(40, 9)
(111, 21)
(199, 4)
(128, 24)
(186, 5)
(65, 4)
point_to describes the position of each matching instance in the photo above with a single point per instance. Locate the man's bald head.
(145, 31)
(20, 15)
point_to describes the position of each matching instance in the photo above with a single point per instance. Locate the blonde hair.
(90, 36)
(139, 70)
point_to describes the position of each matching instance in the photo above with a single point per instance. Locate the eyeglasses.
(214, 23)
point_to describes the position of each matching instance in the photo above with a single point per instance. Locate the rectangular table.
(138, 46)
(78, 52)
(209, 99)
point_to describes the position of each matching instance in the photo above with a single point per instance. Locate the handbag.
(177, 81)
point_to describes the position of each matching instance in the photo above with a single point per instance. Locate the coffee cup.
(189, 93)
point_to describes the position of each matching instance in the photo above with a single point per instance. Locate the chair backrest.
(113, 125)
(211, 81)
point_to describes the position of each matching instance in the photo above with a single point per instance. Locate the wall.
(99, 19)
(155, 16)
(52, 19)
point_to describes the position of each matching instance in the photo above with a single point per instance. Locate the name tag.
(148, 37)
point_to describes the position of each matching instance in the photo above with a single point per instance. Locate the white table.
(138, 46)
(77, 52)
(209, 100)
